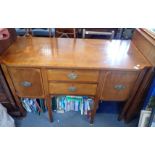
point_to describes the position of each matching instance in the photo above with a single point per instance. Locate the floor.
(72, 119)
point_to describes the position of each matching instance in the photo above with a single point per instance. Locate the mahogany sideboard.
(102, 69)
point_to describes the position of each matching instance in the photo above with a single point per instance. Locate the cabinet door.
(117, 85)
(27, 82)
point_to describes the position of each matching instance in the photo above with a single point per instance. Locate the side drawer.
(72, 88)
(117, 85)
(72, 75)
(27, 82)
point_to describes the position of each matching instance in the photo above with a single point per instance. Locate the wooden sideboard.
(46, 67)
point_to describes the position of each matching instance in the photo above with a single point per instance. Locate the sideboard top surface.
(74, 53)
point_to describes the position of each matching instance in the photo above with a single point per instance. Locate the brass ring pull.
(119, 87)
(72, 89)
(72, 76)
(26, 84)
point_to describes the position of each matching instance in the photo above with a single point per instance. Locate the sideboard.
(101, 69)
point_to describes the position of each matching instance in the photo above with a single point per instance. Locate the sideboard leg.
(49, 107)
(94, 111)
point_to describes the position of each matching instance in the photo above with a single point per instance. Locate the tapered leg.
(49, 107)
(96, 102)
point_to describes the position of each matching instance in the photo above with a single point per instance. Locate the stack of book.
(61, 104)
(34, 105)
(73, 103)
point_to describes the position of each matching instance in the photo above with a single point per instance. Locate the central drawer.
(72, 88)
(72, 75)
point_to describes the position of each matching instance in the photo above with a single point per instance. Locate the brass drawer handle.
(119, 87)
(26, 84)
(72, 76)
(72, 89)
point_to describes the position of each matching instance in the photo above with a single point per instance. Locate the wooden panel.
(76, 75)
(117, 85)
(27, 82)
(144, 43)
(73, 53)
(152, 55)
(78, 89)
(45, 81)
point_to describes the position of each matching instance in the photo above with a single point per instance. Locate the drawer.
(27, 82)
(72, 75)
(117, 85)
(72, 88)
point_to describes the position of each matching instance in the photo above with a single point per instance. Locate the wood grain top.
(145, 43)
(74, 53)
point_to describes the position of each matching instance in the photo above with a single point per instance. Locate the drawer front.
(117, 85)
(72, 88)
(27, 82)
(73, 75)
